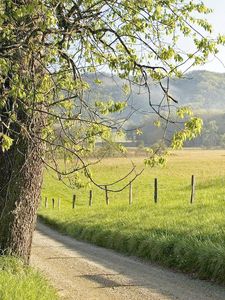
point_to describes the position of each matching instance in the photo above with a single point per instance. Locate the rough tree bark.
(21, 165)
(20, 186)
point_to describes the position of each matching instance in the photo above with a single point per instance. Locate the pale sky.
(217, 19)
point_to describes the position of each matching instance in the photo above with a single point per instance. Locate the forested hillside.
(202, 90)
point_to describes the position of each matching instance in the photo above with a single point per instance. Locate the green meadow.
(173, 232)
(19, 282)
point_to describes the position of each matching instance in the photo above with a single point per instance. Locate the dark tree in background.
(46, 48)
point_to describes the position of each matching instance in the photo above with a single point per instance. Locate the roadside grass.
(173, 233)
(19, 282)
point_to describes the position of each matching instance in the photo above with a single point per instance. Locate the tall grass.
(18, 282)
(173, 232)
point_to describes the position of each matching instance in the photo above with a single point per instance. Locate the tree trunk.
(20, 186)
(21, 165)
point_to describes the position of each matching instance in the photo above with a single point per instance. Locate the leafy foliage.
(48, 46)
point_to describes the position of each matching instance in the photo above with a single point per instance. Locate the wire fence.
(56, 203)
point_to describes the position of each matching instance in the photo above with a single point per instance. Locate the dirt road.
(82, 271)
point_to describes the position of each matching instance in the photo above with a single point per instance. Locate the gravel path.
(82, 271)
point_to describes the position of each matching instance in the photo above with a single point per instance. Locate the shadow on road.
(169, 284)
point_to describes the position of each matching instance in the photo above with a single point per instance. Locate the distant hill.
(204, 91)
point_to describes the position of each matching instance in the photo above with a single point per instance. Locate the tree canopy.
(47, 47)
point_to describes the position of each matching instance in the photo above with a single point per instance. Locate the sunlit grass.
(172, 232)
(18, 282)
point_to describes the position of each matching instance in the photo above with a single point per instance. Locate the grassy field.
(22, 283)
(172, 232)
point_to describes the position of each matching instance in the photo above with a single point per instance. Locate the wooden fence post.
(90, 198)
(106, 195)
(53, 203)
(192, 189)
(130, 194)
(74, 201)
(155, 190)
(46, 202)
